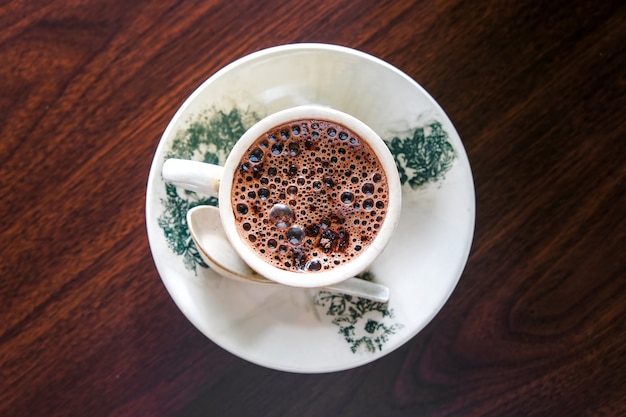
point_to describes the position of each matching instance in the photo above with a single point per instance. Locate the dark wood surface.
(537, 324)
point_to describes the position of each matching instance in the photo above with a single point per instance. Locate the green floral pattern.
(364, 324)
(422, 157)
(209, 138)
(425, 157)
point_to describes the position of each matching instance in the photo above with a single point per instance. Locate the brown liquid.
(309, 195)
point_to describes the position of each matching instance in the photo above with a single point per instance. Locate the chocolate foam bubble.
(309, 195)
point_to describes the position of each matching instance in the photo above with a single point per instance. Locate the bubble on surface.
(295, 235)
(256, 155)
(263, 193)
(294, 149)
(313, 265)
(281, 216)
(347, 197)
(277, 148)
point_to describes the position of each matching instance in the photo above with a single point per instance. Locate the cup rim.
(338, 273)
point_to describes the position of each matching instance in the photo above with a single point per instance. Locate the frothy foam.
(309, 195)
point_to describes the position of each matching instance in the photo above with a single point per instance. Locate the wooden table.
(536, 325)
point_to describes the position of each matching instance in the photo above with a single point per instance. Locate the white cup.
(216, 180)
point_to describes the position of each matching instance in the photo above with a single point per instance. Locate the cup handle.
(195, 176)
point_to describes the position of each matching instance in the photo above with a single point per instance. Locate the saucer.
(308, 330)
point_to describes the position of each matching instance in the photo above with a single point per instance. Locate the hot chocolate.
(309, 195)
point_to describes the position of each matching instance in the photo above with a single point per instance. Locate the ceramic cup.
(221, 181)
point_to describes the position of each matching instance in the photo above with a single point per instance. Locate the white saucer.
(302, 330)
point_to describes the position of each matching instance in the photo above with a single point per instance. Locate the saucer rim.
(152, 208)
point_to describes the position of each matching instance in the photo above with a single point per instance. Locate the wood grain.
(536, 325)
